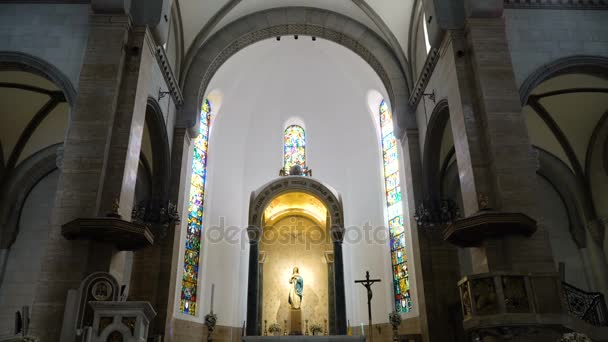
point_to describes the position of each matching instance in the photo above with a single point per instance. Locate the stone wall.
(56, 33)
(27, 252)
(537, 37)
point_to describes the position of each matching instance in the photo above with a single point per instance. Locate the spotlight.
(295, 36)
(314, 38)
(278, 38)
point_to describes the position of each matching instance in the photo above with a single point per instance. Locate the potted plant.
(316, 329)
(395, 319)
(275, 329)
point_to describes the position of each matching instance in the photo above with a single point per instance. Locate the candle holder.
(210, 322)
(265, 330)
(306, 331)
(285, 329)
(326, 328)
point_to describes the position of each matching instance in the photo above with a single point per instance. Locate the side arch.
(12, 60)
(590, 65)
(161, 153)
(258, 26)
(18, 186)
(431, 167)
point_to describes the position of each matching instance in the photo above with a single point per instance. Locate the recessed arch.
(438, 122)
(259, 201)
(12, 60)
(589, 65)
(291, 21)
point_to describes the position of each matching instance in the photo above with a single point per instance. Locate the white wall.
(261, 87)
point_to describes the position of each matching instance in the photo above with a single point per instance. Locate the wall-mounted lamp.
(162, 94)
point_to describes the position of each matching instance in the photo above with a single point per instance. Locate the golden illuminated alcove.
(295, 221)
(295, 234)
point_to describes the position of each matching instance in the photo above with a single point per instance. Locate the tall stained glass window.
(394, 205)
(294, 147)
(195, 214)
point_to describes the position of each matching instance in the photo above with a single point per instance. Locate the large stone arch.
(591, 65)
(431, 168)
(260, 198)
(291, 21)
(19, 184)
(161, 172)
(12, 60)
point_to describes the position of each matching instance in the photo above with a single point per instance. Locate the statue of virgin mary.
(296, 289)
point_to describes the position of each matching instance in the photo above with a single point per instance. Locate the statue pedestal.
(295, 322)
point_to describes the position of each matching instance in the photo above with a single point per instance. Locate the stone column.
(511, 254)
(492, 146)
(337, 234)
(253, 322)
(170, 250)
(82, 177)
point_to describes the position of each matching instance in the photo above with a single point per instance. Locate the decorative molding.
(425, 76)
(170, 80)
(204, 33)
(388, 35)
(557, 4)
(261, 197)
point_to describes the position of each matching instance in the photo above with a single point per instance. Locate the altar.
(304, 338)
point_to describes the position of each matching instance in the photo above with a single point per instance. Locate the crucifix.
(368, 285)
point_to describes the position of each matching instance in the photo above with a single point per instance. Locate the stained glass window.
(294, 147)
(195, 214)
(394, 209)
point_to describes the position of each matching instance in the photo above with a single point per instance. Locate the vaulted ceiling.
(386, 17)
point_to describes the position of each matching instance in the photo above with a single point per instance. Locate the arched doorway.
(308, 214)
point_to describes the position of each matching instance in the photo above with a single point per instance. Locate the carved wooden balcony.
(125, 235)
(471, 231)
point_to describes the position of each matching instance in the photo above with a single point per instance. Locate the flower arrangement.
(575, 337)
(395, 319)
(316, 329)
(275, 329)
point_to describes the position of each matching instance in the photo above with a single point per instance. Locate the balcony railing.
(588, 306)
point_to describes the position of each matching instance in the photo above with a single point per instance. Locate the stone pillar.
(170, 250)
(511, 254)
(85, 161)
(253, 322)
(337, 234)
(492, 145)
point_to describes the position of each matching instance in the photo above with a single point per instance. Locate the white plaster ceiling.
(576, 114)
(395, 14)
(18, 107)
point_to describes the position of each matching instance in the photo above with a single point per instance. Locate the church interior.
(303, 170)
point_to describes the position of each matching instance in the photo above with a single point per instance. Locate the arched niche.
(259, 201)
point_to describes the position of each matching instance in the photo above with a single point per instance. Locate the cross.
(368, 285)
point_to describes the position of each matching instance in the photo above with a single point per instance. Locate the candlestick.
(212, 294)
(362, 331)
